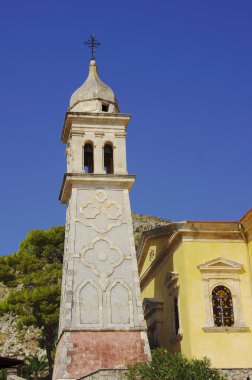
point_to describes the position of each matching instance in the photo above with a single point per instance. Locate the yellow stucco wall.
(250, 254)
(225, 349)
(154, 245)
(221, 348)
(156, 289)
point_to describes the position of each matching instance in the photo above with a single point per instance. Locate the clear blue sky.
(181, 68)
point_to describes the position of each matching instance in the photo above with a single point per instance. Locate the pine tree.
(36, 268)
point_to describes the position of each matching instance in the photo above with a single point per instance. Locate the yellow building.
(196, 282)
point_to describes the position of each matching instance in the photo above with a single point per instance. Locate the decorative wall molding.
(85, 316)
(90, 209)
(102, 256)
(112, 209)
(121, 306)
(101, 213)
(101, 195)
(222, 272)
(220, 265)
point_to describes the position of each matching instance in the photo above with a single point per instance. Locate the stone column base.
(84, 353)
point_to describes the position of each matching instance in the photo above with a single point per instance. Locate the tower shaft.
(101, 319)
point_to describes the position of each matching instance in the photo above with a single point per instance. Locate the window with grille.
(223, 313)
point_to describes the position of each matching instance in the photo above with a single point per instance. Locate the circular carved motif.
(101, 195)
(102, 256)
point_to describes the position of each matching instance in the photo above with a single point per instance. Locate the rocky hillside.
(14, 342)
(143, 223)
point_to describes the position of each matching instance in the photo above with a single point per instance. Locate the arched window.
(108, 159)
(88, 158)
(223, 312)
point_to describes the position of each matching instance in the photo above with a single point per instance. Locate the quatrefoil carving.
(90, 210)
(101, 213)
(113, 209)
(102, 256)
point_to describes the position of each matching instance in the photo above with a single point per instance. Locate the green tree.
(36, 268)
(165, 366)
(35, 365)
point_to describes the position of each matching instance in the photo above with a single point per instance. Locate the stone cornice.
(246, 222)
(84, 179)
(108, 120)
(98, 329)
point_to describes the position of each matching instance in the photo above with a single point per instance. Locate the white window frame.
(224, 272)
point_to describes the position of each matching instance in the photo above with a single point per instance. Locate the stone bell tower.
(101, 319)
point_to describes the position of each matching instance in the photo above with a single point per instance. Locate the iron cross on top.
(92, 44)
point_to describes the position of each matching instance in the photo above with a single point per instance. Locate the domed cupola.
(94, 95)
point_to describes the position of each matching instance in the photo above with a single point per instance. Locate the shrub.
(35, 365)
(165, 366)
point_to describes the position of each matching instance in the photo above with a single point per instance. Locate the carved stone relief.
(104, 296)
(101, 213)
(89, 299)
(102, 256)
(119, 303)
(89, 303)
(90, 210)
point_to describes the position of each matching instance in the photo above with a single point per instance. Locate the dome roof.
(93, 95)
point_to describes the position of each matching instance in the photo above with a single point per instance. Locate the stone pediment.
(220, 264)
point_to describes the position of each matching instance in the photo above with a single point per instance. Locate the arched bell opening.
(88, 158)
(108, 158)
